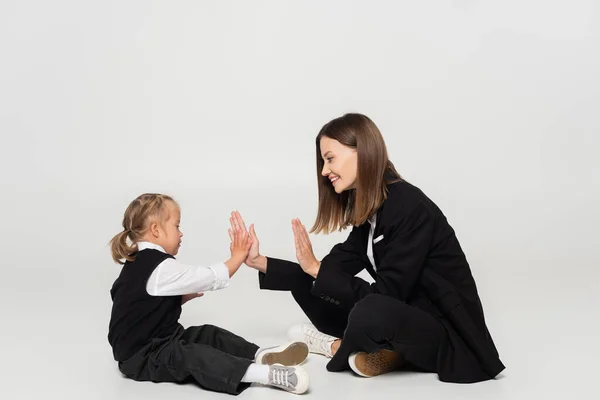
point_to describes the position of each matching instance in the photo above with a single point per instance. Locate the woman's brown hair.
(374, 172)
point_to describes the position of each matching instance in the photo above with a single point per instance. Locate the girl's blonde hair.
(146, 208)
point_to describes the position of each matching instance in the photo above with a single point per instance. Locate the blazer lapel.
(378, 247)
(365, 240)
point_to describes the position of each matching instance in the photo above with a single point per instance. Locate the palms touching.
(304, 252)
(237, 224)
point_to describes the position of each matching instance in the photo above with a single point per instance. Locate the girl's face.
(167, 234)
(340, 164)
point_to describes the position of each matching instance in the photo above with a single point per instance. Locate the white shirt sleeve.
(173, 278)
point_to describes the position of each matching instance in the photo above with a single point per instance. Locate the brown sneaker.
(373, 364)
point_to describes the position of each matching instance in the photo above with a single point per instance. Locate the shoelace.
(317, 339)
(280, 377)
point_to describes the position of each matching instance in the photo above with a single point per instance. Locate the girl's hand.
(187, 297)
(240, 245)
(304, 252)
(254, 258)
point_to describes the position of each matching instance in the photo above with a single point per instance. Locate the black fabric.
(213, 357)
(137, 317)
(412, 333)
(369, 327)
(419, 263)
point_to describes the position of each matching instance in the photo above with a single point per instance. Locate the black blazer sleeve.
(407, 241)
(347, 258)
(286, 275)
(283, 275)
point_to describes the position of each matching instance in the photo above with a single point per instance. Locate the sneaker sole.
(370, 365)
(293, 354)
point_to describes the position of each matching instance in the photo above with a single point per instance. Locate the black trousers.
(376, 322)
(213, 357)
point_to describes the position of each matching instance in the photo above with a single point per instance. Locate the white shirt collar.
(373, 219)
(148, 245)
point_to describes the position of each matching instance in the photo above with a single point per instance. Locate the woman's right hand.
(254, 259)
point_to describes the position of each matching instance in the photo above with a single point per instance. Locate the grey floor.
(54, 341)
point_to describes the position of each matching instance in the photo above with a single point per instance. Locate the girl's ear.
(154, 230)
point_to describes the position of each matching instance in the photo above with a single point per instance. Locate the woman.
(423, 308)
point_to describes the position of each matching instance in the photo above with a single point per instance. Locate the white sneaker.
(287, 354)
(292, 379)
(318, 342)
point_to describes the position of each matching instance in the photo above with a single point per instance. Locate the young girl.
(147, 340)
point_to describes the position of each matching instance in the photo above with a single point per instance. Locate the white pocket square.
(378, 239)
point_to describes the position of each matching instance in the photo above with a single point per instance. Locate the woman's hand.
(254, 259)
(304, 252)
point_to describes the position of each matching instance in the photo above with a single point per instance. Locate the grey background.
(491, 107)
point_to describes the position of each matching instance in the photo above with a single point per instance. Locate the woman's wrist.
(314, 269)
(259, 263)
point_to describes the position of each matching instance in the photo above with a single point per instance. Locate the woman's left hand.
(304, 252)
